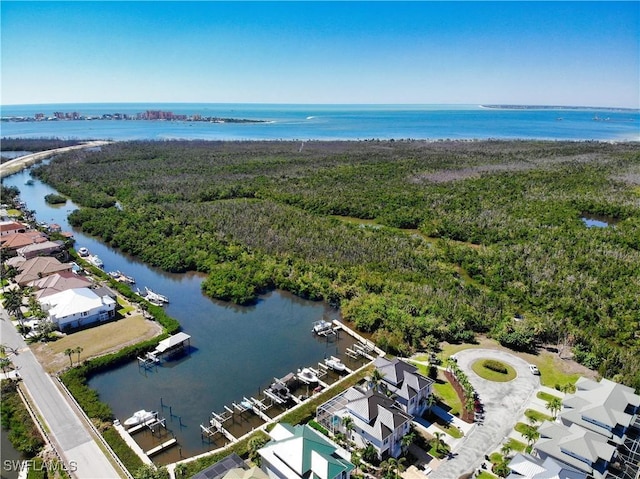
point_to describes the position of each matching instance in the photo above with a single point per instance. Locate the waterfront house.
(231, 467)
(40, 249)
(12, 242)
(10, 227)
(575, 446)
(409, 388)
(297, 452)
(375, 419)
(77, 307)
(57, 283)
(525, 466)
(604, 407)
(39, 267)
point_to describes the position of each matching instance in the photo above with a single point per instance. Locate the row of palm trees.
(465, 384)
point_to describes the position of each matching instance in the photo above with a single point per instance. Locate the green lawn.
(521, 427)
(490, 374)
(550, 375)
(444, 390)
(486, 475)
(516, 445)
(450, 429)
(538, 415)
(546, 396)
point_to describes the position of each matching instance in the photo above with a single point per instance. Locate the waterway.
(235, 351)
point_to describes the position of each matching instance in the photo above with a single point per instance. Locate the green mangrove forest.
(416, 242)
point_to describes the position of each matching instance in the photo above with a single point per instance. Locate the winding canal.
(235, 351)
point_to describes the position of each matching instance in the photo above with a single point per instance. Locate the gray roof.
(556, 438)
(530, 467)
(603, 401)
(401, 378)
(374, 412)
(220, 468)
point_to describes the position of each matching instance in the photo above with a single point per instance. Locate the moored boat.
(321, 326)
(140, 417)
(335, 363)
(95, 260)
(84, 252)
(306, 375)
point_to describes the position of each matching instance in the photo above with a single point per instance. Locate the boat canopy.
(172, 341)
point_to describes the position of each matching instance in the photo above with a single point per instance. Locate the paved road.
(78, 449)
(504, 404)
(9, 167)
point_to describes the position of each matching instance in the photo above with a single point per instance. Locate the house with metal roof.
(375, 419)
(78, 307)
(409, 388)
(297, 452)
(575, 446)
(604, 407)
(525, 466)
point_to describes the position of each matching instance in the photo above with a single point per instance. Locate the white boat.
(335, 363)
(140, 417)
(307, 376)
(321, 326)
(152, 296)
(83, 252)
(95, 260)
(121, 277)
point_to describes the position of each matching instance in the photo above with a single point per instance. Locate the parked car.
(534, 369)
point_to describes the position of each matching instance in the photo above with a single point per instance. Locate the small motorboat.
(321, 326)
(306, 375)
(84, 252)
(140, 417)
(335, 363)
(95, 260)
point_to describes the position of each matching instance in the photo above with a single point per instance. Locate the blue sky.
(573, 53)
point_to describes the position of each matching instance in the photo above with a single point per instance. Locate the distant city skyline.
(535, 53)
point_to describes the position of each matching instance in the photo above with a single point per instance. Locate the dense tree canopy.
(413, 240)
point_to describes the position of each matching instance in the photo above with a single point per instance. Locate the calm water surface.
(235, 350)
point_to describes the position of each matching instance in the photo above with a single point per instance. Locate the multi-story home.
(409, 388)
(524, 466)
(367, 417)
(297, 452)
(604, 407)
(575, 446)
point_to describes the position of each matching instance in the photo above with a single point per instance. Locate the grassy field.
(95, 341)
(538, 415)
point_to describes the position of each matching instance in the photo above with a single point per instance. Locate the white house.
(78, 307)
(375, 419)
(410, 388)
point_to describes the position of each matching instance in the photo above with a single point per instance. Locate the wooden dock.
(162, 447)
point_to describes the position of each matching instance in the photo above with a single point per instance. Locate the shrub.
(496, 366)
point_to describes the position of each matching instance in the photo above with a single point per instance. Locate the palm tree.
(13, 303)
(69, 352)
(506, 449)
(431, 401)
(532, 421)
(78, 350)
(369, 453)
(555, 405)
(440, 446)
(531, 435)
(356, 460)
(407, 440)
(376, 379)
(347, 422)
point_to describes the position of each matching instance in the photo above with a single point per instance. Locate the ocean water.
(330, 122)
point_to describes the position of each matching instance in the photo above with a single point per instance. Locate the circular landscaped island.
(493, 370)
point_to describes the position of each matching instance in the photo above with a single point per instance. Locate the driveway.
(504, 404)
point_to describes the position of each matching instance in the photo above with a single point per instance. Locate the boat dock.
(177, 342)
(162, 447)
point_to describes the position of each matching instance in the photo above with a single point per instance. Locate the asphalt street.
(80, 452)
(504, 404)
